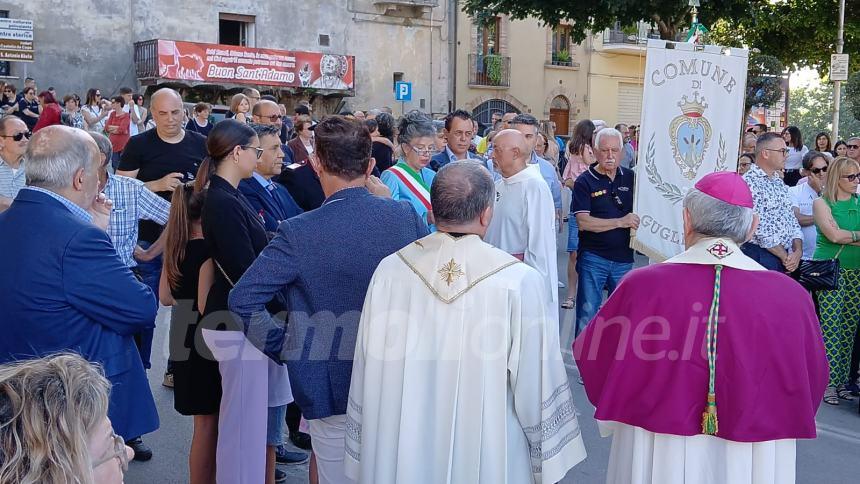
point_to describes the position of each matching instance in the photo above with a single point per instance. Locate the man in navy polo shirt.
(603, 206)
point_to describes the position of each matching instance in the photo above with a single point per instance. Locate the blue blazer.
(439, 160)
(322, 260)
(275, 208)
(64, 288)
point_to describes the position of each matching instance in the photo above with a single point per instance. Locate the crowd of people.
(301, 257)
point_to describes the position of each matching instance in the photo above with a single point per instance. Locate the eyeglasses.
(816, 171)
(784, 151)
(19, 136)
(259, 151)
(118, 451)
(853, 147)
(429, 151)
(852, 177)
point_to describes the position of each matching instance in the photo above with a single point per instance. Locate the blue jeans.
(150, 273)
(595, 274)
(763, 257)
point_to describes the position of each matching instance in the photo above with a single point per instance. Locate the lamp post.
(837, 85)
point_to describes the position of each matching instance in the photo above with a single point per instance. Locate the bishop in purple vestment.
(707, 367)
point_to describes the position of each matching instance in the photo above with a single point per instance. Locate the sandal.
(830, 396)
(568, 303)
(844, 394)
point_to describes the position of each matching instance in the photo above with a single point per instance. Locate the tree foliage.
(763, 81)
(852, 95)
(811, 110)
(670, 16)
(800, 33)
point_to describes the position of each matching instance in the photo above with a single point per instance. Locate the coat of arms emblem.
(690, 134)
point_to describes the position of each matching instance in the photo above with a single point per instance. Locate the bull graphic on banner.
(679, 145)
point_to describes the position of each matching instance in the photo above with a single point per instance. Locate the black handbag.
(819, 275)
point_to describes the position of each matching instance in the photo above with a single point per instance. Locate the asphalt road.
(832, 458)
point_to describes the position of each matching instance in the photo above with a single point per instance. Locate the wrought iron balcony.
(489, 70)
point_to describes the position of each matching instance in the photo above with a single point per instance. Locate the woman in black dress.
(235, 235)
(185, 282)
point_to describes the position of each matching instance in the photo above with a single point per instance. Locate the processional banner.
(691, 124)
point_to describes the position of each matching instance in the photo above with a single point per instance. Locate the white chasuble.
(458, 376)
(523, 224)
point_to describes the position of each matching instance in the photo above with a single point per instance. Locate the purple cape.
(644, 362)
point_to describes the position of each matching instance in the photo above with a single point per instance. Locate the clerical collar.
(716, 251)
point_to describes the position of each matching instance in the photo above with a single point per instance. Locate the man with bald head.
(524, 220)
(268, 113)
(162, 158)
(14, 136)
(425, 307)
(62, 287)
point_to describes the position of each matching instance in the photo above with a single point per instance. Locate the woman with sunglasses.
(55, 426)
(8, 102)
(837, 216)
(410, 179)
(95, 111)
(807, 190)
(235, 236)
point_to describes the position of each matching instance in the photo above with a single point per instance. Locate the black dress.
(197, 382)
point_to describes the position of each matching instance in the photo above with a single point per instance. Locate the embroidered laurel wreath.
(667, 190)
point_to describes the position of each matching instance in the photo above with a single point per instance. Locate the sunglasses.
(853, 147)
(118, 452)
(19, 136)
(816, 171)
(852, 177)
(259, 151)
(274, 117)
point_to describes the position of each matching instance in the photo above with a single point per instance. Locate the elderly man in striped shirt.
(14, 137)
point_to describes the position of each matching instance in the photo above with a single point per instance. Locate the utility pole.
(837, 85)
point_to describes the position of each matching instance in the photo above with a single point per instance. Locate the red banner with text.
(215, 63)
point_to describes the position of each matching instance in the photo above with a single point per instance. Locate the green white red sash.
(413, 181)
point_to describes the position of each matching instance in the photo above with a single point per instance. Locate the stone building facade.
(91, 43)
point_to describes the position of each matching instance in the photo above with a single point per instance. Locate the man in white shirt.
(429, 406)
(802, 196)
(524, 220)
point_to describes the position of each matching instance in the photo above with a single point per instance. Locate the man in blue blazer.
(62, 285)
(322, 262)
(269, 199)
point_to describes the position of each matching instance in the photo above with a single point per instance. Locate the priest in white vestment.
(458, 376)
(523, 222)
(706, 368)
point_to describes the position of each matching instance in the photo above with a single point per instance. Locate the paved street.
(829, 459)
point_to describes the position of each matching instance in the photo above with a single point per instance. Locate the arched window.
(483, 114)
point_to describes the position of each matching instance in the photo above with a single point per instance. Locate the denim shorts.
(572, 234)
(275, 425)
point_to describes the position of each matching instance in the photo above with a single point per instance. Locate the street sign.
(403, 91)
(839, 67)
(16, 40)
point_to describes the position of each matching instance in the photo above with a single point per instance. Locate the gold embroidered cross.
(450, 272)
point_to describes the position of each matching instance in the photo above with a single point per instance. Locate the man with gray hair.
(680, 356)
(62, 287)
(416, 356)
(603, 207)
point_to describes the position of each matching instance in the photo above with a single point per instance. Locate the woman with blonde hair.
(240, 105)
(54, 426)
(837, 216)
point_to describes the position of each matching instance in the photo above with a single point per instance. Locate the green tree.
(811, 110)
(800, 33)
(670, 16)
(852, 95)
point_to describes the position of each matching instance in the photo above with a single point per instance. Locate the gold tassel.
(710, 424)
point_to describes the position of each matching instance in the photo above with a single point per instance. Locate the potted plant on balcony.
(562, 58)
(631, 33)
(493, 65)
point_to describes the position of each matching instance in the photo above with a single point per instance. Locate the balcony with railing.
(489, 70)
(628, 40)
(146, 59)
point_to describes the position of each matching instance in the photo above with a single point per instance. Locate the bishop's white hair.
(715, 218)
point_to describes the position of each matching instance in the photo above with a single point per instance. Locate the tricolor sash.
(413, 181)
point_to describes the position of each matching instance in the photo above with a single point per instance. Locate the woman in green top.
(837, 216)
